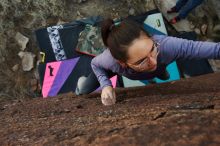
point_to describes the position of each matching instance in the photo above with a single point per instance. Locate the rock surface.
(184, 113)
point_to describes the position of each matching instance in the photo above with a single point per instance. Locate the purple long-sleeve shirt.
(171, 49)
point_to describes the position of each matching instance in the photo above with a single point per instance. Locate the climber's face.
(142, 54)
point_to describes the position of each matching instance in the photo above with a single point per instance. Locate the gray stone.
(131, 11)
(204, 28)
(21, 40)
(149, 5)
(27, 60)
(15, 67)
(197, 30)
(192, 26)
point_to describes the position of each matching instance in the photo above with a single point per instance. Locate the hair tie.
(114, 24)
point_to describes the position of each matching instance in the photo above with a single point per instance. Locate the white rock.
(21, 54)
(197, 30)
(131, 11)
(192, 26)
(27, 60)
(22, 40)
(204, 28)
(78, 13)
(15, 67)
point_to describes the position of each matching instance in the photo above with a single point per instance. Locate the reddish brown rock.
(179, 113)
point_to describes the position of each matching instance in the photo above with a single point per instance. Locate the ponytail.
(106, 29)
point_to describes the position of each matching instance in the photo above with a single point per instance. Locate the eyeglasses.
(146, 62)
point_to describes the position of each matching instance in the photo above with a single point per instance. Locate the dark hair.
(119, 37)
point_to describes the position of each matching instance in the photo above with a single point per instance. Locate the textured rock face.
(22, 17)
(216, 6)
(208, 12)
(181, 113)
(25, 16)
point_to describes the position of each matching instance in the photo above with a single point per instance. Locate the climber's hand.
(108, 96)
